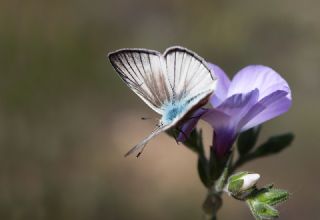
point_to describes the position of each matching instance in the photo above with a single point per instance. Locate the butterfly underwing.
(174, 84)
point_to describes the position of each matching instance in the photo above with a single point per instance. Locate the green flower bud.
(241, 182)
(273, 196)
(262, 210)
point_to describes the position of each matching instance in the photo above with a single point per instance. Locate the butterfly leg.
(175, 137)
(181, 131)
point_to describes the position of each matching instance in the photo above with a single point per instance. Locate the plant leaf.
(274, 145)
(247, 140)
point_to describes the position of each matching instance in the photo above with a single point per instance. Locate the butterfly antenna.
(149, 118)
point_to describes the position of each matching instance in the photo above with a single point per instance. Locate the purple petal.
(216, 118)
(222, 85)
(238, 105)
(274, 104)
(190, 124)
(253, 112)
(226, 117)
(224, 130)
(223, 140)
(258, 76)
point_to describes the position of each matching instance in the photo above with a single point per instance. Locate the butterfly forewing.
(144, 72)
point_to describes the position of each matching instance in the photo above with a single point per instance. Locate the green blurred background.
(66, 118)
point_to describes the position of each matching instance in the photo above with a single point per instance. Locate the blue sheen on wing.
(176, 109)
(173, 110)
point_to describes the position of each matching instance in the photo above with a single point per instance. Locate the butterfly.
(174, 84)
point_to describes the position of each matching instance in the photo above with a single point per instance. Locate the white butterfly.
(173, 84)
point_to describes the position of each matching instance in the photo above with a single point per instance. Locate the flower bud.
(241, 182)
(273, 196)
(249, 180)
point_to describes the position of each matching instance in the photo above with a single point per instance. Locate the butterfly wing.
(161, 80)
(188, 74)
(139, 147)
(144, 71)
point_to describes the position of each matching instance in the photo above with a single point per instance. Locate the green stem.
(213, 201)
(211, 205)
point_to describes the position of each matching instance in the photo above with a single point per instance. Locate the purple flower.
(256, 94)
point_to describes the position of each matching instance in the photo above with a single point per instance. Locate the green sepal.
(261, 201)
(237, 176)
(247, 140)
(237, 193)
(193, 142)
(203, 171)
(245, 194)
(235, 186)
(273, 196)
(262, 210)
(217, 164)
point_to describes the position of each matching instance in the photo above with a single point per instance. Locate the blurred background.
(66, 118)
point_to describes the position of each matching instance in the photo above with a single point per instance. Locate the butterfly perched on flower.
(174, 84)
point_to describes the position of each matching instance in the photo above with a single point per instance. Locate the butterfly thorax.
(173, 111)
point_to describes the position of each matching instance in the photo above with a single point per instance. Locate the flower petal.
(224, 132)
(238, 105)
(222, 85)
(190, 124)
(253, 112)
(223, 140)
(274, 104)
(216, 118)
(258, 76)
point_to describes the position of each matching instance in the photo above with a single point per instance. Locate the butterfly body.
(173, 84)
(172, 112)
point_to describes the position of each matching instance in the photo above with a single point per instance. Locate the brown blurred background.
(66, 118)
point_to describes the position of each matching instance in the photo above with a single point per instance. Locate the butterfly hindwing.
(140, 146)
(188, 73)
